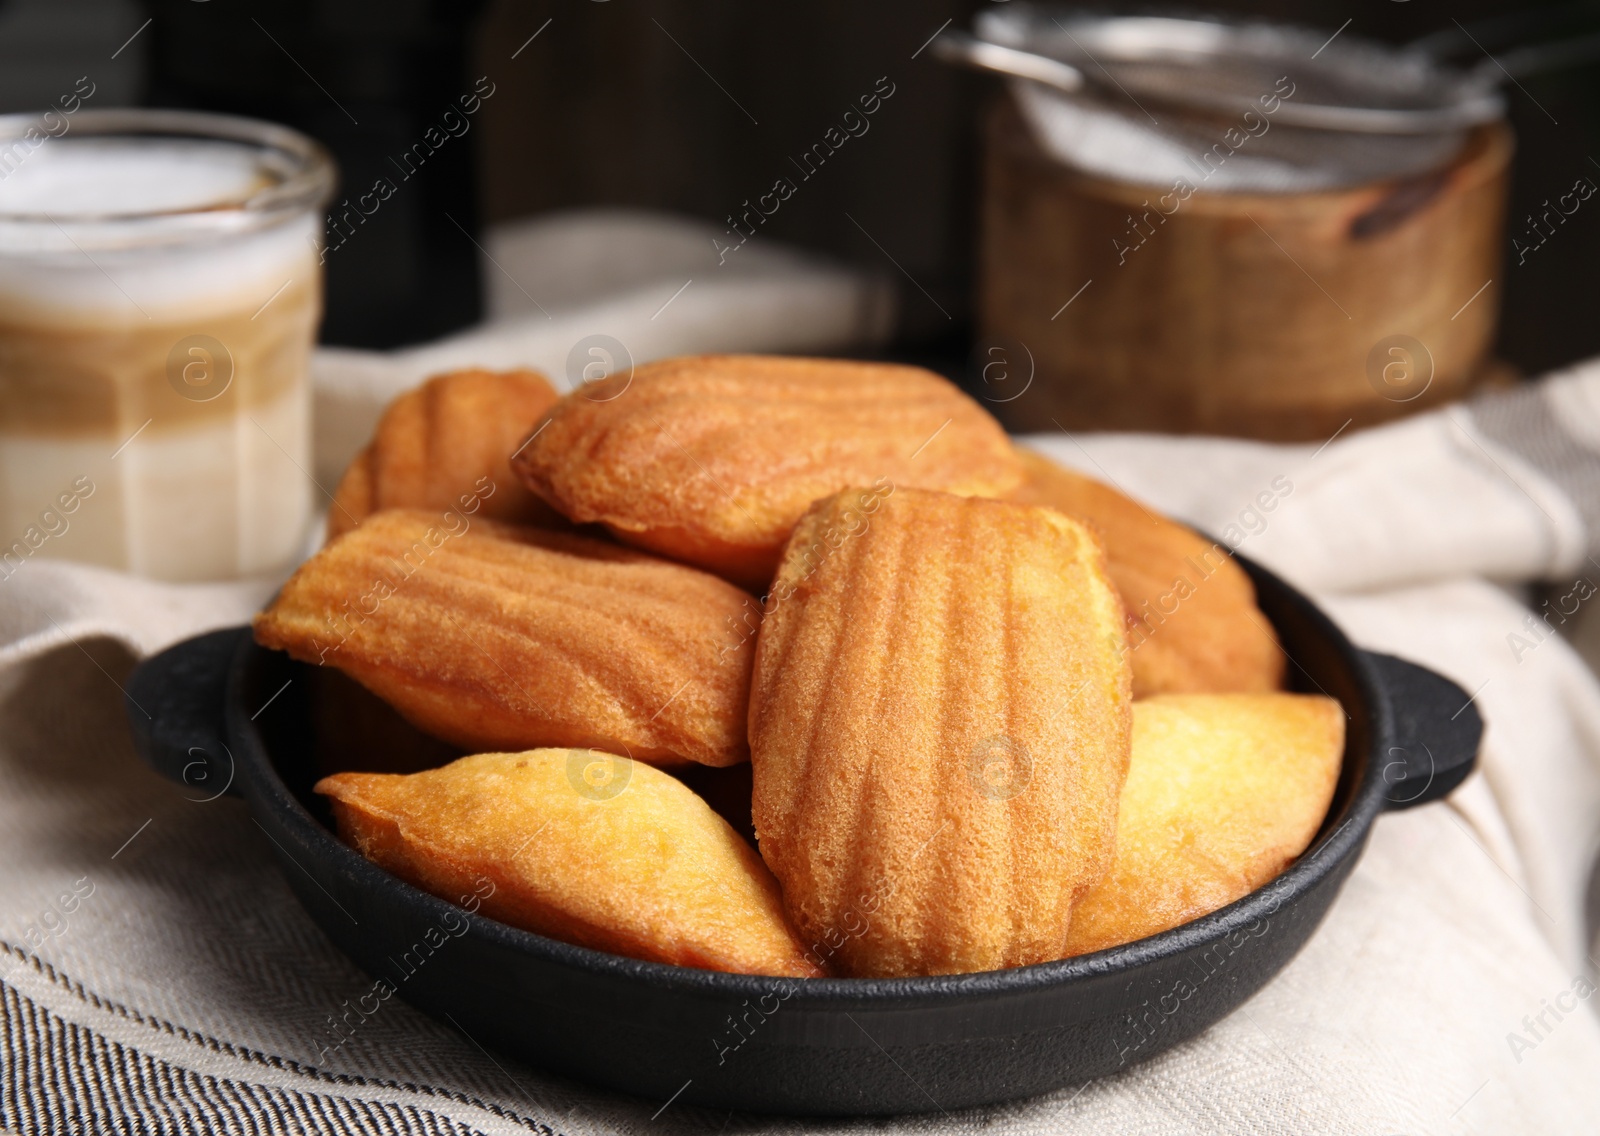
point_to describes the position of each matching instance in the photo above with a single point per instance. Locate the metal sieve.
(1148, 97)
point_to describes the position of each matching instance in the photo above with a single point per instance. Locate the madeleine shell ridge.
(712, 459)
(495, 636)
(447, 444)
(939, 727)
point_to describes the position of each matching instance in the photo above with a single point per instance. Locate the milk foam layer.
(71, 177)
(63, 263)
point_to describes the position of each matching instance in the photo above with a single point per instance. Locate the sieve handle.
(981, 55)
(1525, 43)
(1537, 59)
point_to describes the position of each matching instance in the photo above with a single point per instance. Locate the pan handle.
(175, 708)
(1434, 731)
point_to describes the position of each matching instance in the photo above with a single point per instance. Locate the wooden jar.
(1279, 316)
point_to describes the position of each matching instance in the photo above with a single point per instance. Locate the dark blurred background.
(693, 106)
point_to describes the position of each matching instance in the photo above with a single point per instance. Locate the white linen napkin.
(157, 975)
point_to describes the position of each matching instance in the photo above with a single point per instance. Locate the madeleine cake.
(1223, 792)
(447, 444)
(579, 845)
(712, 459)
(494, 636)
(939, 729)
(1193, 623)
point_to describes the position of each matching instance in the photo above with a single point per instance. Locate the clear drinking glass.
(160, 291)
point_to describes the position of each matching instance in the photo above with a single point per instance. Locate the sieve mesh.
(1209, 102)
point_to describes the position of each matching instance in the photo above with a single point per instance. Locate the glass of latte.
(160, 290)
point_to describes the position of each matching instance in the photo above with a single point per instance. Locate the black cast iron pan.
(229, 717)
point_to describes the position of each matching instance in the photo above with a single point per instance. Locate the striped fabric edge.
(60, 1076)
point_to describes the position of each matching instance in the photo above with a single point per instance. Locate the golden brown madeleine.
(496, 636)
(581, 846)
(447, 444)
(1224, 790)
(939, 730)
(712, 459)
(1193, 623)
